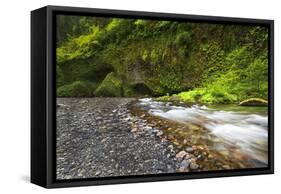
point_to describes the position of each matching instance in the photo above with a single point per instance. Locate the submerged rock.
(254, 102)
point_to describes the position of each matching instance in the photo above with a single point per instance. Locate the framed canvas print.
(126, 96)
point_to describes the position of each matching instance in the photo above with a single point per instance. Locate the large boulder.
(110, 86)
(76, 89)
(254, 102)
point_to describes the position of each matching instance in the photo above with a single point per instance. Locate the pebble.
(171, 147)
(188, 156)
(200, 157)
(97, 173)
(159, 133)
(181, 154)
(147, 128)
(189, 149)
(134, 129)
(226, 167)
(193, 166)
(184, 164)
(103, 128)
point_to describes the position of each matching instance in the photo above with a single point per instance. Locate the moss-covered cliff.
(133, 57)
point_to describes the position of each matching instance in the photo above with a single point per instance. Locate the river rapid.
(222, 136)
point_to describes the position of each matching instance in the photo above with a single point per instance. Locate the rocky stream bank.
(99, 137)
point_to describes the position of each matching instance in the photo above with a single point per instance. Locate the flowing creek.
(220, 136)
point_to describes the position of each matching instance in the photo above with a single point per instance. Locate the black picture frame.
(43, 97)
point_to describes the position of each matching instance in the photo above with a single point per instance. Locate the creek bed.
(220, 136)
(103, 137)
(99, 137)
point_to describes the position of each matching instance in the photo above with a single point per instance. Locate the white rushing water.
(245, 130)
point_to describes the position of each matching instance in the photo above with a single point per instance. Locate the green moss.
(110, 86)
(218, 96)
(211, 63)
(75, 89)
(191, 96)
(183, 39)
(81, 47)
(128, 91)
(164, 98)
(113, 24)
(202, 95)
(140, 22)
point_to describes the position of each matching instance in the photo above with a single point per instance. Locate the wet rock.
(189, 149)
(159, 133)
(181, 154)
(200, 157)
(134, 130)
(227, 167)
(147, 128)
(193, 166)
(188, 156)
(184, 164)
(254, 102)
(97, 173)
(170, 168)
(98, 118)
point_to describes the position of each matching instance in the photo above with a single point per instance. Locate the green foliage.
(192, 96)
(128, 91)
(76, 89)
(164, 98)
(81, 47)
(183, 39)
(202, 95)
(140, 22)
(205, 63)
(110, 86)
(218, 95)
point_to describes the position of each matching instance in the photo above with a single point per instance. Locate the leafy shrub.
(215, 96)
(203, 95)
(164, 98)
(192, 96)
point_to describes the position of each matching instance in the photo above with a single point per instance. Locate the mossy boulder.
(254, 102)
(128, 91)
(110, 86)
(76, 89)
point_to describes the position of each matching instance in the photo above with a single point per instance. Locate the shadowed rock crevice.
(141, 89)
